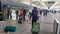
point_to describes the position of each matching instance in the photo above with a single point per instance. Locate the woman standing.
(41, 12)
(20, 14)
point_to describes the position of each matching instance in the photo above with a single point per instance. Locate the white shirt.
(30, 10)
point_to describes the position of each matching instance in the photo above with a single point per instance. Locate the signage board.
(51, 2)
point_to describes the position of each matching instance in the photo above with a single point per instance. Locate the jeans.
(33, 22)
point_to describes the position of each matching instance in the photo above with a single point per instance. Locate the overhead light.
(33, 5)
(26, 3)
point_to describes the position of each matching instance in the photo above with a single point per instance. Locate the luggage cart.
(10, 29)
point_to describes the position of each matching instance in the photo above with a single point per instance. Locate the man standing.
(24, 13)
(9, 13)
(17, 14)
(30, 13)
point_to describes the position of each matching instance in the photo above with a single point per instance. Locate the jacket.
(34, 14)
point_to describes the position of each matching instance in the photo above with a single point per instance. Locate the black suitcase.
(20, 20)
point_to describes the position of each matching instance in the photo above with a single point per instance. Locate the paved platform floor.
(46, 25)
(25, 28)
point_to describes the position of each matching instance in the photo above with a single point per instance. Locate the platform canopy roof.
(44, 4)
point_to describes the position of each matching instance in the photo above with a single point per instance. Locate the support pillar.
(1, 17)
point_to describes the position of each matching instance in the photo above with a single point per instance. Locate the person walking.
(41, 12)
(34, 15)
(30, 14)
(9, 13)
(46, 12)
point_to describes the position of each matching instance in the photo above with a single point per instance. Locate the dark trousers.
(17, 17)
(1, 17)
(30, 15)
(24, 17)
(33, 22)
(10, 15)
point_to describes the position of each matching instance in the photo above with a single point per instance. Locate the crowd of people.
(33, 14)
(20, 15)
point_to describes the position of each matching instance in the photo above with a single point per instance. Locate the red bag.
(20, 12)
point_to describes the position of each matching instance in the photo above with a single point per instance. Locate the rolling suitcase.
(36, 28)
(20, 20)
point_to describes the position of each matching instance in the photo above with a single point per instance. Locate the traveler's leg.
(33, 22)
(21, 19)
(24, 17)
(10, 16)
(17, 17)
(30, 15)
(46, 13)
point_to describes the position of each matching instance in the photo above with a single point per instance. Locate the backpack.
(34, 13)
